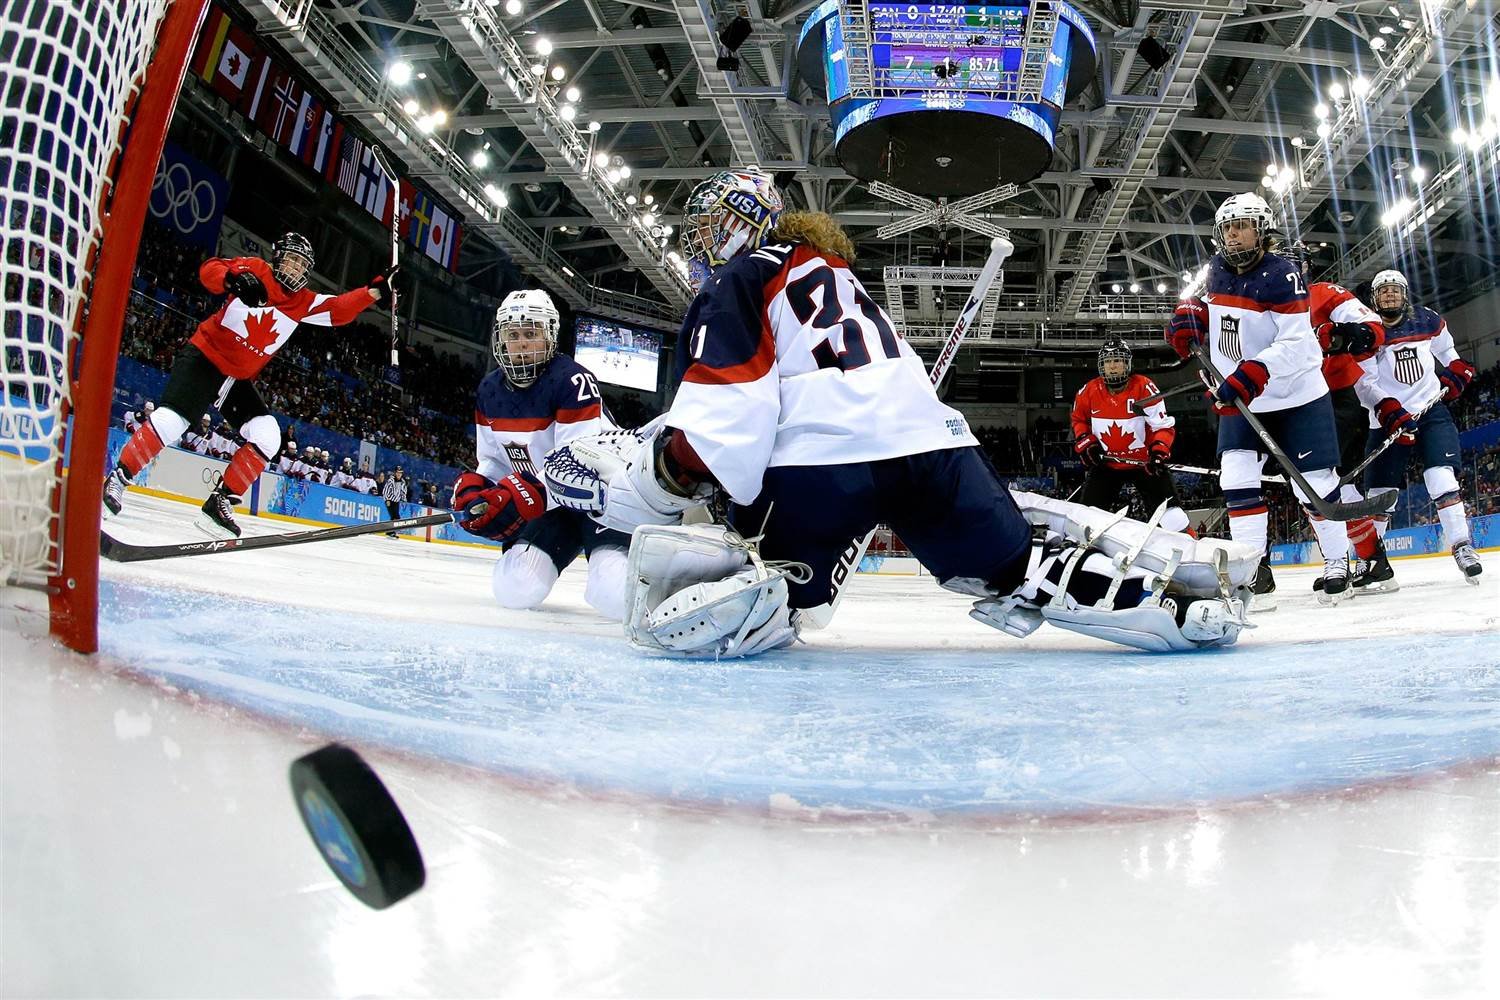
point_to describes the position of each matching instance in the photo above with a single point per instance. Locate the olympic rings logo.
(175, 191)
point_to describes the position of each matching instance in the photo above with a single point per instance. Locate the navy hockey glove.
(1089, 450)
(1188, 326)
(1455, 378)
(1157, 464)
(1395, 419)
(1244, 383)
(498, 510)
(246, 287)
(385, 284)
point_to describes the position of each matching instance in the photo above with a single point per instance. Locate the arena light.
(1336, 91)
(630, 199)
(1360, 86)
(1161, 288)
(1396, 212)
(594, 127)
(1418, 174)
(1135, 288)
(513, 7)
(1377, 43)
(480, 159)
(613, 175)
(573, 94)
(624, 172)
(1324, 130)
(1116, 288)
(399, 73)
(558, 72)
(543, 46)
(567, 112)
(648, 199)
(1320, 111)
(439, 116)
(601, 160)
(537, 69)
(1298, 142)
(495, 195)
(411, 106)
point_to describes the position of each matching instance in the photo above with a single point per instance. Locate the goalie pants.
(949, 507)
(1103, 485)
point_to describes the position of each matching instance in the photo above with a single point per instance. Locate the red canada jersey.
(1332, 303)
(1108, 416)
(240, 339)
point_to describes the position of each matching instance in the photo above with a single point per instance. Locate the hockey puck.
(357, 826)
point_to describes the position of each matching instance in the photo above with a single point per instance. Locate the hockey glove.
(385, 284)
(1455, 378)
(1157, 463)
(1396, 420)
(1244, 383)
(246, 287)
(1188, 326)
(498, 510)
(1089, 450)
(613, 477)
(1357, 339)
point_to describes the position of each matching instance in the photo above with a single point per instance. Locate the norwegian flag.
(280, 108)
(1408, 368)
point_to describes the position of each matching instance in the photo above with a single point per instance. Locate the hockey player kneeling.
(798, 400)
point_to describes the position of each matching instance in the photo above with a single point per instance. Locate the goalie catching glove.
(498, 510)
(622, 479)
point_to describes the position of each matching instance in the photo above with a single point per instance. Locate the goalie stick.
(1375, 503)
(115, 550)
(848, 562)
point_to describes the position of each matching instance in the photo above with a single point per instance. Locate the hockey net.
(87, 89)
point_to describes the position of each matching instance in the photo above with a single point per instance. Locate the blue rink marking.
(1005, 732)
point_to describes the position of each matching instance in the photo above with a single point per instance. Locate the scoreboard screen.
(969, 47)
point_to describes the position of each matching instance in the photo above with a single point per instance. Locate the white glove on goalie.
(612, 478)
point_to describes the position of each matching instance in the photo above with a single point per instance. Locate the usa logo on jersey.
(1229, 338)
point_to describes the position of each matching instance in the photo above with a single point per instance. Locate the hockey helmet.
(726, 215)
(1236, 208)
(527, 315)
(1114, 349)
(1391, 278)
(1299, 253)
(292, 261)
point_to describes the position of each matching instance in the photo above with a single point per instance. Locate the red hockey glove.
(245, 286)
(1455, 378)
(1396, 420)
(498, 510)
(1244, 383)
(1357, 339)
(385, 284)
(1188, 326)
(1089, 450)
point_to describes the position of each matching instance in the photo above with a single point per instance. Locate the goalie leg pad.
(1210, 622)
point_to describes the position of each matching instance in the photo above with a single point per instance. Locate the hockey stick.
(117, 551)
(1139, 405)
(1197, 469)
(1336, 511)
(395, 251)
(848, 562)
(1353, 474)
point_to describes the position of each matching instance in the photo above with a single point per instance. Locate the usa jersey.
(1263, 316)
(515, 428)
(240, 339)
(1406, 365)
(1332, 303)
(785, 360)
(1108, 416)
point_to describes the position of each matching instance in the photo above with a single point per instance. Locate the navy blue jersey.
(1407, 363)
(1262, 315)
(515, 428)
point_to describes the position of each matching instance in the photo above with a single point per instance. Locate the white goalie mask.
(1237, 208)
(525, 335)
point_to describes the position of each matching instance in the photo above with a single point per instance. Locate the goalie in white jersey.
(800, 402)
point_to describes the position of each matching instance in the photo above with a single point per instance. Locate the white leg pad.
(523, 577)
(263, 432)
(1196, 572)
(1240, 470)
(168, 424)
(605, 589)
(1440, 480)
(1153, 627)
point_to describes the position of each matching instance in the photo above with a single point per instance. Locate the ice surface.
(909, 802)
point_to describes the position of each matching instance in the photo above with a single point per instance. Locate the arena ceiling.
(1144, 155)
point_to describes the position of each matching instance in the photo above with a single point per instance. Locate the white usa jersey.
(515, 428)
(1263, 316)
(785, 360)
(1407, 362)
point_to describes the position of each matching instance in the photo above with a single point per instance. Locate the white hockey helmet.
(726, 215)
(1386, 278)
(1243, 206)
(527, 315)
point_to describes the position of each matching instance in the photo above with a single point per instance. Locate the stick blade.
(1375, 503)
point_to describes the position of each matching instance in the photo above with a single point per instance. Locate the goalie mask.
(1115, 375)
(292, 261)
(1237, 208)
(1391, 296)
(525, 335)
(731, 212)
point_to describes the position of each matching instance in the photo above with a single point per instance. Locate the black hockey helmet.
(1114, 349)
(283, 252)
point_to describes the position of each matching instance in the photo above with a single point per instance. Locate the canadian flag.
(232, 71)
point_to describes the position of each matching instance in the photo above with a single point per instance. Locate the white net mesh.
(68, 70)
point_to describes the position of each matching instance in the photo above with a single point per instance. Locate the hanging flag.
(326, 144)
(209, 47)
(255, 88)
(429, 225)
(233, 68)
(302, 136)
(278, 112)
(375, 188)
(351, 150)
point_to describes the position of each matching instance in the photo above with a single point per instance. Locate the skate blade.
(1382, 587)
(1473, 580)
(212, 528)
(1328, 600)
(1262, 603)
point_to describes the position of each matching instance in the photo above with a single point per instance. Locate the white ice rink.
(908, 804)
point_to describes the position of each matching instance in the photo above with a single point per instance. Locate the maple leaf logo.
(260, 329)
(234, 65)
(1117, 440)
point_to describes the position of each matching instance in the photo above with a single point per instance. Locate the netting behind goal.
(86, 90)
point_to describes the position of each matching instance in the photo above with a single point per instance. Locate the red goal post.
(87, 91)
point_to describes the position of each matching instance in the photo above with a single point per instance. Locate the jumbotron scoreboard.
(935, 98)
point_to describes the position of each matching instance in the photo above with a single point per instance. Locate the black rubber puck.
(357, 826)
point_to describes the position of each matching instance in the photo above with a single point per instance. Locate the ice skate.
(114, 493)
(1375, 575)
(1468, 562)
(217, 516)
(1335, 582)
(1264, 587)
